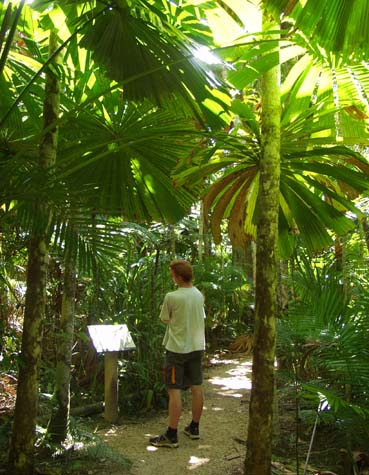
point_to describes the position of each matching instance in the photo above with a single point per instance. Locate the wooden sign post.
(111, 413)
(110, 340)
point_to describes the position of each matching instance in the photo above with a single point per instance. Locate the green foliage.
(323, 342)
(228, 299)
(143, 50)
(130, 291)
(12, 288)
(116, 157)
(338, 27)
(82, 452)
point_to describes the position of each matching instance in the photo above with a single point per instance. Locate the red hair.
(182, 269)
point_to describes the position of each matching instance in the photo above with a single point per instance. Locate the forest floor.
(223, 429)
(124, 448)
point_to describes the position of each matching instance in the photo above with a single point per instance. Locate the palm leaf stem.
(5, 25)
(10, 37)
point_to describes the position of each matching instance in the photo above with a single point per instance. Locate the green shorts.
(183, 370)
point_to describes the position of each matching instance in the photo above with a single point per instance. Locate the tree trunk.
(365, 227)
(260, 429)
(59, 421)
(3, 297)
(21, 458)
(23, 436)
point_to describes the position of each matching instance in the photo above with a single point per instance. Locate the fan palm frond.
(319, 177)
(339, 27)
(94, 239)
(316, 189)
(122, 159)
(149, 57)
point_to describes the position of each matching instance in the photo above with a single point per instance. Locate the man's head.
(181, 270)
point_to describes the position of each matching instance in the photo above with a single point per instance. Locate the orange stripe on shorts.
(173, 376)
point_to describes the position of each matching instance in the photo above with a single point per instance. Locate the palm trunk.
(21, 458)
(59, 421)
(23, 436)
(260, 429)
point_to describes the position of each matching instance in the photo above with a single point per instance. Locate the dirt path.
(219, 451)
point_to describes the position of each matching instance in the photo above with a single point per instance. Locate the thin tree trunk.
(21, 458)
(260, 429)
(365, 227)
(3, 297)
(59, 421)
(201, 233)
(282, 286)
(153, 285)
(207, 236)
(172, 237)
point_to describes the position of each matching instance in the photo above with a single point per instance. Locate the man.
(184, 341)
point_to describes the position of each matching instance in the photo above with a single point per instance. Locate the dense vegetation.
(120, 149)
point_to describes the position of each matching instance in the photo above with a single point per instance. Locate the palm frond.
(122, 159)
(339, 27)
(148, 61)
(95, 240)
(325, 332)
(336, 401)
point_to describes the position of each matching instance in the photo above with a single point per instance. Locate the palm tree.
(23, 435)
(116, 160)
(260, 428)
(318, 175)
(321, 171)
(58, 427)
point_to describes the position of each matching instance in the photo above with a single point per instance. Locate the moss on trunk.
(59, 421)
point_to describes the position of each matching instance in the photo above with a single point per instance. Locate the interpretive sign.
(110, 340)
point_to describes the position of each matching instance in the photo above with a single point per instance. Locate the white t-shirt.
(183, 311)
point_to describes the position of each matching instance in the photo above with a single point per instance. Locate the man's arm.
(165, 311)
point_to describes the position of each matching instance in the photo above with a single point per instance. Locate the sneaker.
(164, 441)
(192, 432)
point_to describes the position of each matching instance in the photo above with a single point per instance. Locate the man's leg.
(169, 439)
(192, 430)
(174, 407)
(173, 377)
(193, 371)
(197, 402)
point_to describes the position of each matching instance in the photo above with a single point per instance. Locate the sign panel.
(106, 338)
